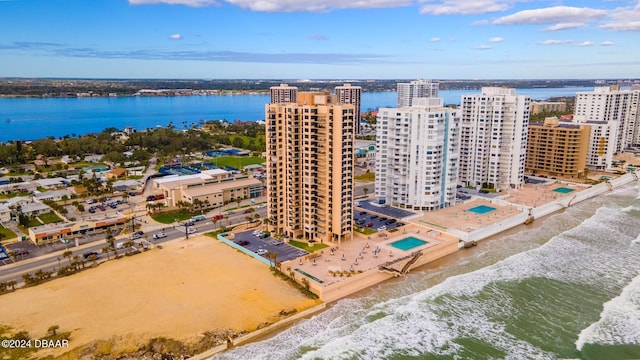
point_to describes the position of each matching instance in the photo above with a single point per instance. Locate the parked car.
(263, 236)
(242, 242)
(21, 251)
(91, 201)
(390, 221)
(483, 191)
(369, 224)
(88, 254)
(382, 228)
(261, 252)
(159, 235)
(92, 210)
(374, 216)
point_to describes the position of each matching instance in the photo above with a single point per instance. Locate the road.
(51, 262)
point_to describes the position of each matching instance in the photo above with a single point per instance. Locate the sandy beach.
(179, 292)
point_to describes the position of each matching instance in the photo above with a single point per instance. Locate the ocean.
(36, 118)
(568, 287)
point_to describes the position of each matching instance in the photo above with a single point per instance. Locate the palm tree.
(366, 191)
(68, 254)
(105, 250)
(266, 222)
(214, 221)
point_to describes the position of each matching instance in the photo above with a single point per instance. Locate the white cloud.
(496, 39)
(480, 22)
(483, 47)
(624, 19)
(434, 39)
(565, 26)
(550, 15)
(316, 5)
(285, 5)
(585, 43)
(192, 3)
(554, 42)
(175, 37)
(607, 43)
(457, 7)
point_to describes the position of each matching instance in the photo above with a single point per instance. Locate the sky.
(320, 39)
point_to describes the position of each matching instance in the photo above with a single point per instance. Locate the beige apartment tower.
(310, 161)
(557, 148)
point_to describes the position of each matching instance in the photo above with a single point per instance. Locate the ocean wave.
(619, 321)
(589, 261)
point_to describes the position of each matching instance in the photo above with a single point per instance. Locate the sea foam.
(597, 252)
(619, 321)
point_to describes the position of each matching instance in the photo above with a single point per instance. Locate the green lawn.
(365, 230)
(237, 162)
(49, 218)
(34, 223)
(171, 216)
(303, 245)
(6, 234)
(370, 177)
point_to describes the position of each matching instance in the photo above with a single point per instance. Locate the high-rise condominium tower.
(283, 94)
(310, 168)
(417, 153)
(416, 89)
(347, 94)
(493, 139)
(611, 104)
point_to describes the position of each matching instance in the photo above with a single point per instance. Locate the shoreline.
(555, 207)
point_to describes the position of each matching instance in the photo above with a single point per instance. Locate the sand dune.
(180, 291)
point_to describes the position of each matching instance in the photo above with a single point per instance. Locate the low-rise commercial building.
(212, 188)
(64, 231)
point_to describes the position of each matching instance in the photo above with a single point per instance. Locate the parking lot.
(388, 211)
(374, 221)
(254, 243)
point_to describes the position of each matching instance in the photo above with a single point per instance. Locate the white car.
(382, 228)
(159, 235)
(261, 252)
(191, 230)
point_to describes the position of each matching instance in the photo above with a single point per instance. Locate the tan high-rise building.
(557, 148)
(310, 161)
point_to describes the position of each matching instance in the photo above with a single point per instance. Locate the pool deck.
(507, 205)
(358, 254)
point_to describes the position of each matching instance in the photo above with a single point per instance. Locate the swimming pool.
(408, 243)
(563, 190)
(481, 209)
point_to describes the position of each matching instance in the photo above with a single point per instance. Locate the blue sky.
(315, 39)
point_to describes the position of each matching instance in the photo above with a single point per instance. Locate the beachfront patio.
(363, 254)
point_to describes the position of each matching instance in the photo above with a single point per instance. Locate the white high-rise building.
(347, 94)
(417, 153)
(420, 88)
(611, 104)
(493, 139)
